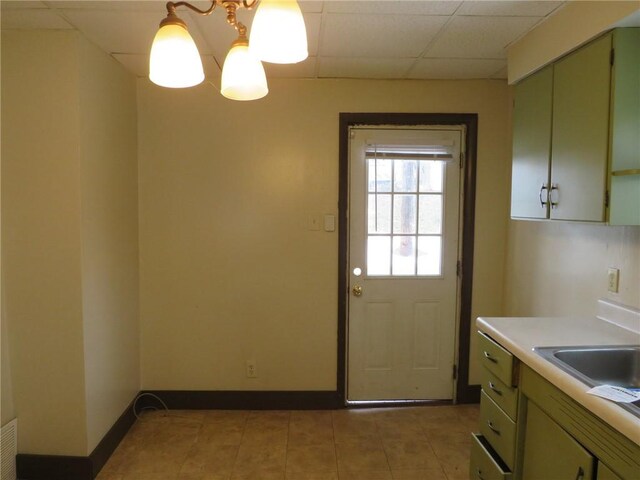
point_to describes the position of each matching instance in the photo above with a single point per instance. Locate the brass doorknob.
(357, 290)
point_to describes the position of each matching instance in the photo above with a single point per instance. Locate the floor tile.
(221, 433)
(207, 458)
(410, 454)
(269, 459)
(353, 457)
(435, 473)
(365, 475)
(414, 443)
(311, 459)
(454, 459)
(311, 476)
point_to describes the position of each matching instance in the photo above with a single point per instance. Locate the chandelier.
(278, 35)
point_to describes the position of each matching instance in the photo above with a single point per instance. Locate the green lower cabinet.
(552, 454)
(485, 463)
(498, 429)
(604, 473)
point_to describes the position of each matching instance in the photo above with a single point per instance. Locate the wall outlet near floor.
(613, 277)
(252, 369)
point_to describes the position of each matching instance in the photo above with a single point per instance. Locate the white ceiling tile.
(501, 74)
(219, 35)
(508, 8)
(136, 64)
(393, 7)
(215, 31)
(349, 35)
(304, 69)
(129, 5)
(116, 32)
(33, 19)
(335, 67)
(479, 37)
(12, 5)
(455, 68)
(311, 6)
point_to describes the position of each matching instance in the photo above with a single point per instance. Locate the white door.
(404, 211)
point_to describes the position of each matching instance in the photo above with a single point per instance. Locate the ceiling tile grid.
(395, 39)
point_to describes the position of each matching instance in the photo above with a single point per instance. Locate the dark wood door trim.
(465, 393)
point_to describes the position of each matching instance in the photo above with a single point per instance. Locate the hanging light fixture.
(278, 34)
(175, 62)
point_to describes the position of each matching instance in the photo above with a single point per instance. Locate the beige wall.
(574, 24)
(41, 239)
(560, 268)
(229, 269)
(109, 223)
(69, 238)
(557, 269)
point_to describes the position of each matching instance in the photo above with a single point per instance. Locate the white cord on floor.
(135, 402)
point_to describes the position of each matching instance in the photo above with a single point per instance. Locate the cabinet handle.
(488, 356)
(493, 429)
(493, 387)
(543, 204)
(580, 474)
(554, 186)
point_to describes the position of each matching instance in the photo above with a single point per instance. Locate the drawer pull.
(488, 356)
(580, 474)
(494, 429)
(479, 475)
(492, 386)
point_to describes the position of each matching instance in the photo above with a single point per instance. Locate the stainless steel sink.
(597, 365)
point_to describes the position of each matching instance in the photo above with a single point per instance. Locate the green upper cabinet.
(532, 145)
(580, 138)
(625, 128)
(576, 135)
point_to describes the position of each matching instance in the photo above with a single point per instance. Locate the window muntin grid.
(405, 213)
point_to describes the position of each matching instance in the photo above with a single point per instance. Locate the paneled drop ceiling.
(347, 39)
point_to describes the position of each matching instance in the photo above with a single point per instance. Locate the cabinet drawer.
(484, 465)
(498, 429)
(506, 397)
(496, 359)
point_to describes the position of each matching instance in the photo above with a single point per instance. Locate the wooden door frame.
(465, 393)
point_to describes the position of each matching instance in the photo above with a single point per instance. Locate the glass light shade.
(175, 61)
(278, 34)
(243, 75)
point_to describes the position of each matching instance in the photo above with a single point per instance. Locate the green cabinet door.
(531, 145)
(625, 129)
(580, 139)
(550, 453)
(605, 473)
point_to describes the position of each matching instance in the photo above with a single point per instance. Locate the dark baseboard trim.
(112, 439)
(400, 404)
(244, 400)
(470, 394)
(53, 467)
(60, 467)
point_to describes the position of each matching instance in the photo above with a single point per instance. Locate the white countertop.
(520, 335)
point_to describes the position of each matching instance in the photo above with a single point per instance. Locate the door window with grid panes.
(405, 211)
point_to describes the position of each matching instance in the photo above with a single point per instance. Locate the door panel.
(532, 145)
(403, 236)
(581, 133)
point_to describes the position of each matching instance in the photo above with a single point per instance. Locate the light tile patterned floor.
(426, 443)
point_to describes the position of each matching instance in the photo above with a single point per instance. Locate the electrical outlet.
(252, 369)
(613, 277)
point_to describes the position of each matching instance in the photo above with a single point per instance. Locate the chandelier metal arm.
(249, 5)
(171, 7)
